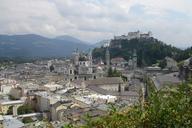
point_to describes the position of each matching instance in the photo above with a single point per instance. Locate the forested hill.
(149, 51)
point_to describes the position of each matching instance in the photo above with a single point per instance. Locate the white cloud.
(94, 20)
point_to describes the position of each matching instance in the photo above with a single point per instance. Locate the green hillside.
(149, 51)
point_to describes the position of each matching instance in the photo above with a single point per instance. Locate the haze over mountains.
(31, 45)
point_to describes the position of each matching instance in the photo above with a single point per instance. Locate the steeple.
(76, 57)
(90, 55)
(134, 59)
(107, 57)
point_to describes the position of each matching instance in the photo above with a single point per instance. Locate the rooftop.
(10, 122)
(166, 79)
(105, 80)
(112, 93)
(11, 102)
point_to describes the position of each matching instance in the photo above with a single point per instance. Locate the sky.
(96, 20)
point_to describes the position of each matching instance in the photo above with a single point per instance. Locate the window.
(71, 72)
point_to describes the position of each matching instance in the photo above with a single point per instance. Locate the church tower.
(107, 58)
(76, 57)
(90, 58)
(134, 59)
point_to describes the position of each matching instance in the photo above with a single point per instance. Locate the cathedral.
(82, 68)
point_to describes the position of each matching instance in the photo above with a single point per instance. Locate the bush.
(25, 109)
(27, 120)
(10, 110)
(113, 73)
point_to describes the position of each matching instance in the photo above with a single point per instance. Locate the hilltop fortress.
(115, 43)
(133, 35)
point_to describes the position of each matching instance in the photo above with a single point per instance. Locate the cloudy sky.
(95, 20)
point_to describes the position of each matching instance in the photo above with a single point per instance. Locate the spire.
(90, 55)
(90, 52)
(134, 53)
(134, 59)
(107, 57)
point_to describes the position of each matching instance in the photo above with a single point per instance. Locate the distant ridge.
(70, 39)
(32, 45)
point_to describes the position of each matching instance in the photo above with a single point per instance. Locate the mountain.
(70, 39)
(149, 50)
(31, 45)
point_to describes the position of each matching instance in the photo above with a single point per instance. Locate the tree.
(110, 72)
(163, 64)
(68, 126)
(113, 73)
(24, 109)
(10, 110)
(27, 120)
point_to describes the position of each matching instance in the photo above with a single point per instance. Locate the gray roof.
(113, 93)
(10, 122)
(105, 80)
(166, 79)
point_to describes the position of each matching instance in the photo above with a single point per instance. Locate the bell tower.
(134, 59)
(107, 58)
